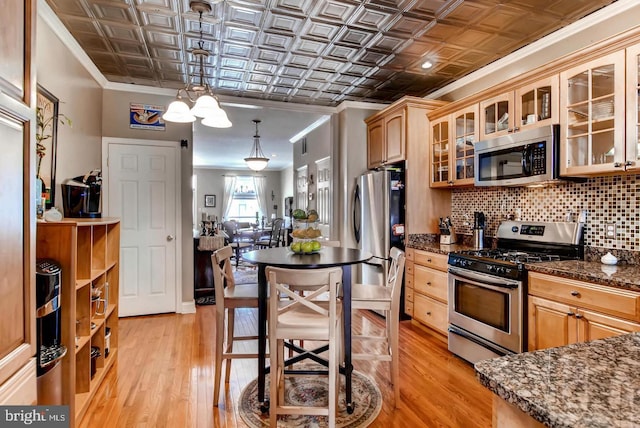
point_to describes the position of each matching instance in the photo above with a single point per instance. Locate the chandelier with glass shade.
(206, 104)
(256, 160)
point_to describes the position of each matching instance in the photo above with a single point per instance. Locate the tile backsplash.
(614, 199)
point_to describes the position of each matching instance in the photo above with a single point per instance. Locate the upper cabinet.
(452, 147)
(592, 116)
(632, 158)
(528, 106)
(386, 138)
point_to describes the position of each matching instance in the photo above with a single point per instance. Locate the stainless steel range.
(488, 288)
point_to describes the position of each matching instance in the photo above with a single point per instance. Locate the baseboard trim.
(188, 307)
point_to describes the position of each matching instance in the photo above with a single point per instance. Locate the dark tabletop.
(327, 257)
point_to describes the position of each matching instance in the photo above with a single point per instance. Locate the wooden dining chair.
(302, 317)
(229, 297)
(234, 239)
(273, 240)
(385, 297)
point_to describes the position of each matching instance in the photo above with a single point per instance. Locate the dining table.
(283, 257)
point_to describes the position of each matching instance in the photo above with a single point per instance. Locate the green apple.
(316, 245)
(295, 247)
(307, 247)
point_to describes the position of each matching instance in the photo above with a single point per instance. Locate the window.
(244, 204)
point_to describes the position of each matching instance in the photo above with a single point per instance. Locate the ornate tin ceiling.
(311, 52)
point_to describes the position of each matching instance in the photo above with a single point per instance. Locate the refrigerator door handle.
(356, 213)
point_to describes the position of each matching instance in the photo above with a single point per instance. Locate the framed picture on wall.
(209, 200)
(47, 118)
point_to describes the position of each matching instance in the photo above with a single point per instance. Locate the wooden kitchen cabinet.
(452, 148)
(564, 311)
(426, 278)
(386, 138)
(632, 147)
(17, 199)
(88, 251)
(592, 117)
(528, 106)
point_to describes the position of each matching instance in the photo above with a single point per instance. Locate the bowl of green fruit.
(305, 246)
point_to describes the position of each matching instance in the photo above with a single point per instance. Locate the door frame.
(106, 141)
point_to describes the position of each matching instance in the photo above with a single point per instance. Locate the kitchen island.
(592, 384)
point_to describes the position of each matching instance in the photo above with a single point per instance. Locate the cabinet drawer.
(432, 260)
(408, 294)
(431, 282)
(408, 268)
(408, 281)
(609, 300)
(408, 307)
(431, 312)
(409, 254)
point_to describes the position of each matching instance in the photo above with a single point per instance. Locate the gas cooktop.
(520, 243)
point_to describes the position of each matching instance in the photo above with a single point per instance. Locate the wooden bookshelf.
(88, 251)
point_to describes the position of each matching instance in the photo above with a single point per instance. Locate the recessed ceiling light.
(427, 64)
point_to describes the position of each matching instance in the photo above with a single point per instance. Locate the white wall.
(58, 71)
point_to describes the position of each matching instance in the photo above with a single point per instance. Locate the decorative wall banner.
(146, 116)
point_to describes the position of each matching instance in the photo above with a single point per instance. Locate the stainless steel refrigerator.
(379, 220)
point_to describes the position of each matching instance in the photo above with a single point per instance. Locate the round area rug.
(312, 390)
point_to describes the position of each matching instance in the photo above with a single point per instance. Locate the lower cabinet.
(426, 289)
(21, 388)
(564, 311)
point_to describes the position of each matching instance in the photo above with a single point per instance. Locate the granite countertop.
(622, 276)
(592, 384)
(431, 242)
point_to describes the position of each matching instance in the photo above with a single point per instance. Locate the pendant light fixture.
(256, 160)
(206, 105)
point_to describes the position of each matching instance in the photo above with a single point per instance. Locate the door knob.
(170, 238)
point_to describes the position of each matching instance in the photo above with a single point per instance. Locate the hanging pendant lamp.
(206, 105)
(256, 160)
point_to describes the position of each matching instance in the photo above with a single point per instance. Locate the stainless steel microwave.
(519, 159)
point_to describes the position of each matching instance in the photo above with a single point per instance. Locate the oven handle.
(484, 279)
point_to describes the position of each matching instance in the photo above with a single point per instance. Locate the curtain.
(260, 184)
(227, 198)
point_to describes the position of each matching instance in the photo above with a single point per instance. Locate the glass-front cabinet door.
(465, 128)
(537, 104)
(440, 153)
(592, 103)
(496, 116)
(632, 149)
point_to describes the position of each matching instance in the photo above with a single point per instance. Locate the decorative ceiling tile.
(273, 56)
(283, 23)
(276, 41)
(316, 52)
(114, 12)
(240, 35)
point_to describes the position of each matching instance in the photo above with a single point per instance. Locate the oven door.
(487, 306)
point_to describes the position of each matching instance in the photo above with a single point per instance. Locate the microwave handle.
(527, 161)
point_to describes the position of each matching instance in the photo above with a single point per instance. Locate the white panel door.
(142, 192)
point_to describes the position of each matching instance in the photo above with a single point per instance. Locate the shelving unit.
(88, 251)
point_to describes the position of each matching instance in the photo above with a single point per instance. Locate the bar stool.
(302, 317)
(385, 297)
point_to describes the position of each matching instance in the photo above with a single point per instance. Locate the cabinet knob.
(428, 282)
(170, 238)
(570, 314)
(429, 260)
(516, 129)
(578, 316)
(629, 163)
(450, 182)
(575, 293)
(429, 313)
(617, 165)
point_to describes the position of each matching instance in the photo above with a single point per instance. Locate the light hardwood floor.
(164, 378)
